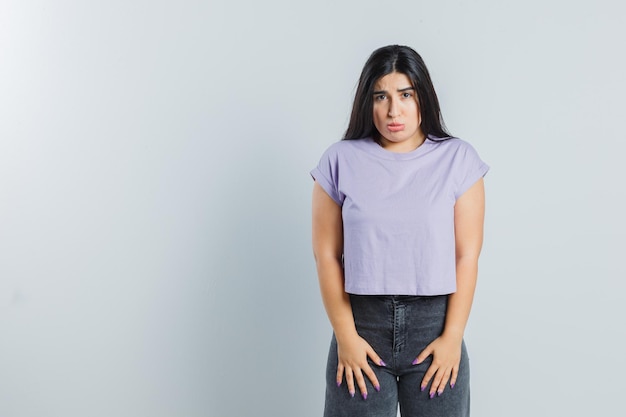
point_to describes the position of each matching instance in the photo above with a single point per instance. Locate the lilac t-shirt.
(398, 212)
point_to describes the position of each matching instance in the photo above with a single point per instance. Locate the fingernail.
(415, 362)
(338, 383)
(422, 388)
(377, 388)
(364, 395)
(352, 394)
(439, 393)
(432, 395)
(452, 385)
(382, 363)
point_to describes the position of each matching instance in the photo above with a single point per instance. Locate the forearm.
(460, 303)
(336, 300)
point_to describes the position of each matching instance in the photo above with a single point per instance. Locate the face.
(396, 113)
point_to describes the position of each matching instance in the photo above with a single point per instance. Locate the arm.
(352, 350)
(446, 349)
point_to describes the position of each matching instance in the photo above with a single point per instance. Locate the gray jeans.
(398, 328)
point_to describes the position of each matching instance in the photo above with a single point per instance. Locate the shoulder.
(452, 143)
(454, 147)
(345, 147)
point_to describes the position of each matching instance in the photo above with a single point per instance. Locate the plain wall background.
(155, 251)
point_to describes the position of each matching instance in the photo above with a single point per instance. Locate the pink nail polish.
(377, 388)
(422, 388)
(352, 394)
(439, 393)
(432, 395)
(364, 395)
(338, 383)
(382, 363)
(414, 362)
(452, 385)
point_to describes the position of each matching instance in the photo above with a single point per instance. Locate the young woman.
(398, 209)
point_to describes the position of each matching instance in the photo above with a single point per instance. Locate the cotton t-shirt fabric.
(398, 212)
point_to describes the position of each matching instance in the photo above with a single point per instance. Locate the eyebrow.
(401, 90)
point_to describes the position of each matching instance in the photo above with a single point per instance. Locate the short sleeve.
(326, 173)
(470, 169)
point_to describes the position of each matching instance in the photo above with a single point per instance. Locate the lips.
(395, 127)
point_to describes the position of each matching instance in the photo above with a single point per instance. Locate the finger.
(339, 375)
(375, 358)
(445, 376)
(360, 381)
(455, 374)
(423, 355)
(350, 381)
(369, 372)
(436, 381)
(430, 372)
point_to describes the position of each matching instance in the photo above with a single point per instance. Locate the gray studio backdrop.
(155, 198)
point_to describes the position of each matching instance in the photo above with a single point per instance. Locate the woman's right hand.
(353, 352)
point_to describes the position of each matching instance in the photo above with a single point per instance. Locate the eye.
(406, 94)
(380, 97)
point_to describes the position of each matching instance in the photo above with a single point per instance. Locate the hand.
(446, 352)
(353, 352)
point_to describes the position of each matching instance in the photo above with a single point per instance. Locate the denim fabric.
(398, 328)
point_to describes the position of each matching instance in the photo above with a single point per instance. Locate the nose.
(394, 109)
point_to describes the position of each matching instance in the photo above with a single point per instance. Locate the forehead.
(393, 81)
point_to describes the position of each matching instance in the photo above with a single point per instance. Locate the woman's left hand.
(446, 352)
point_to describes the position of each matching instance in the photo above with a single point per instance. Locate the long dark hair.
(383, 61)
